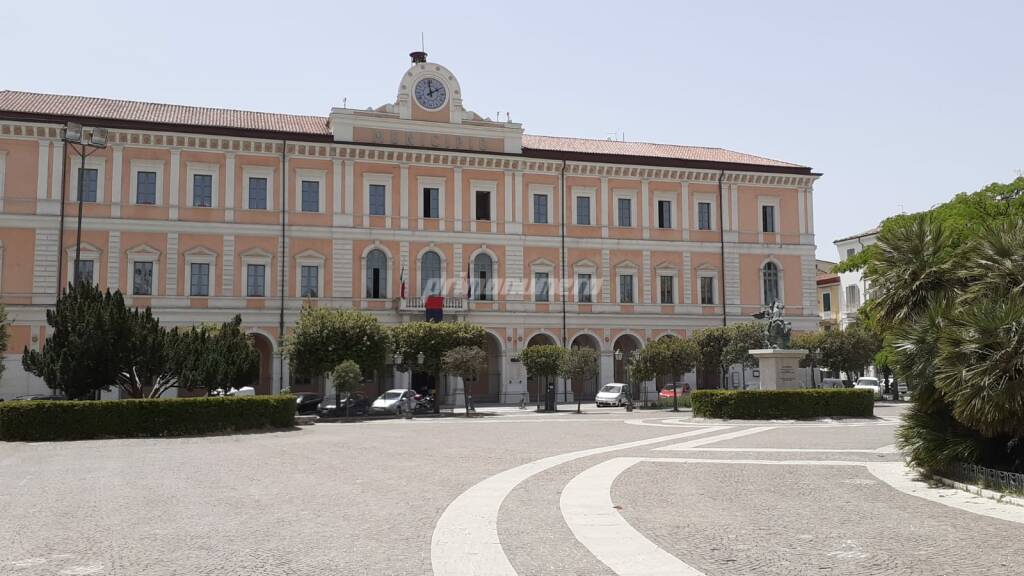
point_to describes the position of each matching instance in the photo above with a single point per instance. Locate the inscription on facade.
(428, 140)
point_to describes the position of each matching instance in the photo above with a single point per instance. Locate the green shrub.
(770, 404)
(79, 420)
(684, 402)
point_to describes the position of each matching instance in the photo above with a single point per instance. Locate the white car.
(872, 384)
(391, 402)
(613, 394)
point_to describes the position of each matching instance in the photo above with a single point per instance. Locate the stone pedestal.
(780, 369)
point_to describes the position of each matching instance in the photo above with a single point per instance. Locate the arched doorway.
(533, 386)
(265, 381)
(586, 390)
(628, 345)
(488, 380)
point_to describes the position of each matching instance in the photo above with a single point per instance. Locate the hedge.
(35, 420)
(769, 404)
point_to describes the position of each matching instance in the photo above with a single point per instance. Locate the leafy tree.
(810, 341)
(464, 362)
(4, 335)
(148, 363)
(583, 364)
(542, 363)
(743, 338)
(346, 378)
(84, 351)
(670, 357)
(213, 356)
(326, 337)
(712, 343)
(432, 340)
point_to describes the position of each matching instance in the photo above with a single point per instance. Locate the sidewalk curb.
(976, 490)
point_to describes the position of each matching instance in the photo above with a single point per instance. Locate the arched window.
(430, 274)
(770, 275)
(376, 274)
(483, 277)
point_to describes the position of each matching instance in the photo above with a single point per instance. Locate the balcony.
(452, 305)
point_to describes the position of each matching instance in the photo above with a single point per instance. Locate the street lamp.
(620, 356)
(74, 134)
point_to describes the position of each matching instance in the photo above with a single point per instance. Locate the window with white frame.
(309, 281)
(202, 184)
(826, 302)
(199, 279)
(87, 264)
(483, 277)
(626, 289)
(540, 208)
(707, 289)
(431, 202)
(376, 274)
(142, 278)
(767, 218)
(377, 194)
(852, 297)
(378, 199)
(624, 205)
(850, 252)
(86, 270)
(664, 213)
(430, 273)
(584, 288)
(704, 215)
(255, 280)
(542, 286)
(310, 196)
(145, 187)
(584, 208)
(93, 179)
(483, 205)
(666, 288)
(90, 183)
(259, 187)
(147, 182)
(770, 282)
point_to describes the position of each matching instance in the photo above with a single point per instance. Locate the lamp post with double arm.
(74, 136)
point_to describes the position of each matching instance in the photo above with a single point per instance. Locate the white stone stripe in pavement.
(465, 540)
(717, 438)
(589, 511)
(883, 450)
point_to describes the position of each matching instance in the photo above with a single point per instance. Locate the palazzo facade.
(205, 213)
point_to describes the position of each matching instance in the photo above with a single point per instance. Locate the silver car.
(391, 402)
(613, 394)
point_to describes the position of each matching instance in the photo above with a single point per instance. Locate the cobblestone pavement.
(367, 497)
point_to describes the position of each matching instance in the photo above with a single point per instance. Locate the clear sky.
(899, 104)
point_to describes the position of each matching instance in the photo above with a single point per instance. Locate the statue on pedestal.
(777, 330)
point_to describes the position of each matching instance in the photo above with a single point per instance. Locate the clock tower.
(427, 113)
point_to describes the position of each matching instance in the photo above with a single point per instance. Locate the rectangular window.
(625, 212)
(257, 193)
(767, 218)
(202, 190)
(88, 178)
(850, 252)
(666, 284)
(310, 196)
(626, 288)
(826, 302)
(142, 279)
(145, 188)
(483, 205)
(541, 287)
(377, 202)
(431, 203)
(704, 215)
(540, 208)
(583, 210)
(255, 275)
(664, 213)
(583, 294)
(85, 271)
(707, 290)
(199, 279)
(309, 281)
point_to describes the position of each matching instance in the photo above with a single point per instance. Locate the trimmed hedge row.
(770, 404)
(35, 420)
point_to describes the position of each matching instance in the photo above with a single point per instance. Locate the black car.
(307, 403)
(356, 404)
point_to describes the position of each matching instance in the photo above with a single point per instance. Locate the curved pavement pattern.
(466, 539)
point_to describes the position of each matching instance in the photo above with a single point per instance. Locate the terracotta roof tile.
(198, 117)
(645, 149)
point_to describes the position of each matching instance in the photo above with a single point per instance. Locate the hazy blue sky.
(897, 103)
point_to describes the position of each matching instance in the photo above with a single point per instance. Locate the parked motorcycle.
(424, 403)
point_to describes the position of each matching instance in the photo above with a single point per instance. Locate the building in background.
(853, 286)
(828, 295)
(204, 213)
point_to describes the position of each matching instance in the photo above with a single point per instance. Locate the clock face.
(431, 93)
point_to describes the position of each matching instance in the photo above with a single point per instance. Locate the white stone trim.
(589, 192)
(438, 182)
(673, 199)
(142, 253)
(782, 279)
(88, 252)
(696, 199)
(200, 255)
(267, 172)
(257, 256)
(384, 179)
(136, 166)
(310, 258)
(310, 175)
(388, 267)
(626, 268)
(665, 270)
(540, 190)
(193, 169)
(97, 162)
(490, 186)
(708, 272)
(774, 202)
(630, 195)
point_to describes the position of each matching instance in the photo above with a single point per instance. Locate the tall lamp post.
(625, 356)
(74, 136)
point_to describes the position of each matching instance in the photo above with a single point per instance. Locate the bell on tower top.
(418, 57)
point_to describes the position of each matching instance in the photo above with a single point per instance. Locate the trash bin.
(549, 398)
